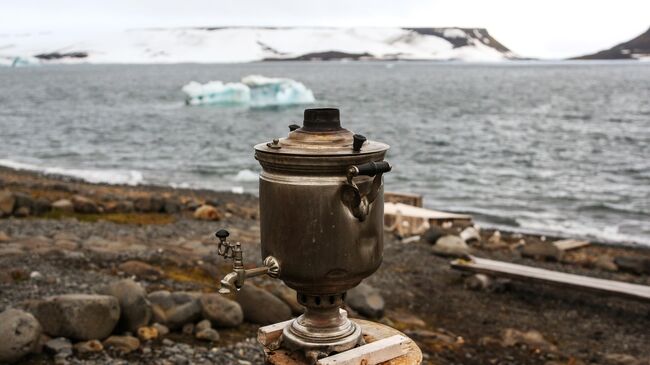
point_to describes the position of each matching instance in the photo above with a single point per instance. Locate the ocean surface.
(558, 148)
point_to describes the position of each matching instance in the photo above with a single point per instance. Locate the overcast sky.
(535, 28)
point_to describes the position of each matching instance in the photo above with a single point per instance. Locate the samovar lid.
(321, 134)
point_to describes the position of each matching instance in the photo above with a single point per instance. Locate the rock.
(289, 296)
(635, 264)
(188, 329)
(41, 206)
(86, 347)
(162, 329)
(141, 270)
(148, 333)
(208, 334)
(59, 345)
(122, 344)
(24, 204)
(432, 234)
(63, 205)
(122, 206)
(532, 338)
(135, 308)
(605, 262)
(621, 359)
(7, 202)
(221, 311)
(81, 204)
(22, 212)
(366, 300)
(171, 206)
(77, 316)
(204, 324)
(175, 309)
(207, 212)
(20, 334)
(36, 276)
(4, 237)
(261, 307)
(541, 251)
(470, 234)
(406, 320)
(149, 204)
(451, 246)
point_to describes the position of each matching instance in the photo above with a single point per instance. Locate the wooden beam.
(370, 354)
(416, 212)
(533, 274)
(570, 244)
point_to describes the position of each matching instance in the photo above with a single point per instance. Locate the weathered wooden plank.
(269, 334)
(404, 198)
(370, 354)
(527, 273)
(570, 244)
(417, 212)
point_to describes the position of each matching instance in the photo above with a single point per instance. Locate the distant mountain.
(245, 44)
(637, 48)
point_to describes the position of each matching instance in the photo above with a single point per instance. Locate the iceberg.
(254, 91)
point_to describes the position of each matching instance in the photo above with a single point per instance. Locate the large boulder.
(141, 270)
(451, 246)
(287, 295)
(208, 213)
(175, 309)
(77, 316)
(366, 300)
(20, 334)
(24, 204)
(63, 205)
(221, 311)
(7, 203)
(541, 251)
(262, 307)
(134, 306)
(636, 264)
(85, 205)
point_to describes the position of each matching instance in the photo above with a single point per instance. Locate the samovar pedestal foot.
(370, 331)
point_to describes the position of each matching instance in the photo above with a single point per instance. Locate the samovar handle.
(354, 199)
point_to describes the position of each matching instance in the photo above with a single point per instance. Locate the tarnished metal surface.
(321, 221)
(371, 332)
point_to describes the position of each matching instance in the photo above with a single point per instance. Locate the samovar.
(321, 220)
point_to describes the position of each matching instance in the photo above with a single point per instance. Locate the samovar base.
(323, 329)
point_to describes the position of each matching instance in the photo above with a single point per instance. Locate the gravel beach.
(163, 239)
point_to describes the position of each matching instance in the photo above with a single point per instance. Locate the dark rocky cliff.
(633, 49)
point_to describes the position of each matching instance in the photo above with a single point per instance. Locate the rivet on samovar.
(321, 224)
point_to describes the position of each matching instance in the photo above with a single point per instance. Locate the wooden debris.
(533, 274)
(570, 244)
(404, 198)
(407, 220)
(268, 334)
(370, 354)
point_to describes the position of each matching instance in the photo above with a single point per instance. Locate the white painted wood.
(522, 272)
(370, 354)
(268, 334)
(570, 244)
(416, 212)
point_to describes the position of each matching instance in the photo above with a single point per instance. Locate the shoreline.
(35, 173)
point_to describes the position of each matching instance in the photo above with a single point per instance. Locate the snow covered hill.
(245, 44)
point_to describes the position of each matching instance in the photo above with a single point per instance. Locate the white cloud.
(549, 28)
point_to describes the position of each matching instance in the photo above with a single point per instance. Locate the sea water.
(549, 147)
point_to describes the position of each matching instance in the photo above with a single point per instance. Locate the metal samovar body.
(321, 220)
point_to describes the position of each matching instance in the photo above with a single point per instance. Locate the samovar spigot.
(235, 280)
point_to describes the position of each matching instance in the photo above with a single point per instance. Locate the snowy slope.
(245, 44)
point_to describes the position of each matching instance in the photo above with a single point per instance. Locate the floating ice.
(18, 61)
(253, 91)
